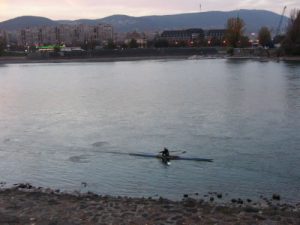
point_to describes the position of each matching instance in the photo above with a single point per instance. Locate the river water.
(59, 123)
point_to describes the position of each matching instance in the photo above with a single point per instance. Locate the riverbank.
(25, 204)
(25, 60)
(21, 60)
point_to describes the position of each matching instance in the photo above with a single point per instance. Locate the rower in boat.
(165, 155)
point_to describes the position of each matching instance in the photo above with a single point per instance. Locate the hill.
(254, 19)
(26, 21)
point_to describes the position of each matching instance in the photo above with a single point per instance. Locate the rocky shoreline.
(25, 204)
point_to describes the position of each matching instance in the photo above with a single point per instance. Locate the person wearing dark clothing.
(165, 153)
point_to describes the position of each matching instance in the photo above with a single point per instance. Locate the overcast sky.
(92, 9)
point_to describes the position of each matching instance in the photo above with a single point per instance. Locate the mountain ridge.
(254, 19)
(26, 21)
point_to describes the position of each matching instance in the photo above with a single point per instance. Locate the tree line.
(2, 45)
(290, 41)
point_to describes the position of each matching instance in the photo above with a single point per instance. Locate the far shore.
(21, 60)
(25, 204)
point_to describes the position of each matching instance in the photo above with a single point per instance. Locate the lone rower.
(165, 153)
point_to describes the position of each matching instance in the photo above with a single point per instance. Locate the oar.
(179, 151)
(182, 152)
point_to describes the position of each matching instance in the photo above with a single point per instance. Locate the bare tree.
(235, 31)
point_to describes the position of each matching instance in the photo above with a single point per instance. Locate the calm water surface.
(59, 121)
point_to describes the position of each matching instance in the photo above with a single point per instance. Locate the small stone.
(219, 195)
(211, 199)
(251, 210)
(176, 218)
(7, 219)
(276, 197)
(258, 217)
(190, 203)
(52, 202)
(240, 201)
(185, 195)
(180, 222)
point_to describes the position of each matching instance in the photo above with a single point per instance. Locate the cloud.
(75, 9)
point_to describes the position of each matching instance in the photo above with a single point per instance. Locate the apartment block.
(70, 35)
(183, 35)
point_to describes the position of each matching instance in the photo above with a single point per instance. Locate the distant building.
(139, 37)
(188, 35)
(2, 34)
(215, 37)
(71, 35)
(218, 34)
(103, 32)
(9, 37)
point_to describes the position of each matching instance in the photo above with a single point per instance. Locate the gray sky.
(76, 9)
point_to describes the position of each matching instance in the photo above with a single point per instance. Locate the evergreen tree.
(2, 46)
(110, 44)
(264, 36)
(133, 44)
(291, 43)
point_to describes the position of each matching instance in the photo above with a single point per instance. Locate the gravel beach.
(24, 204)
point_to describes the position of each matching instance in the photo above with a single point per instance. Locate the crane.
(280, 22)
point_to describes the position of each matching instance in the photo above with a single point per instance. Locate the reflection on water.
(59, 123)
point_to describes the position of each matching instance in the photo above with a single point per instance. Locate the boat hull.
(172, 157)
